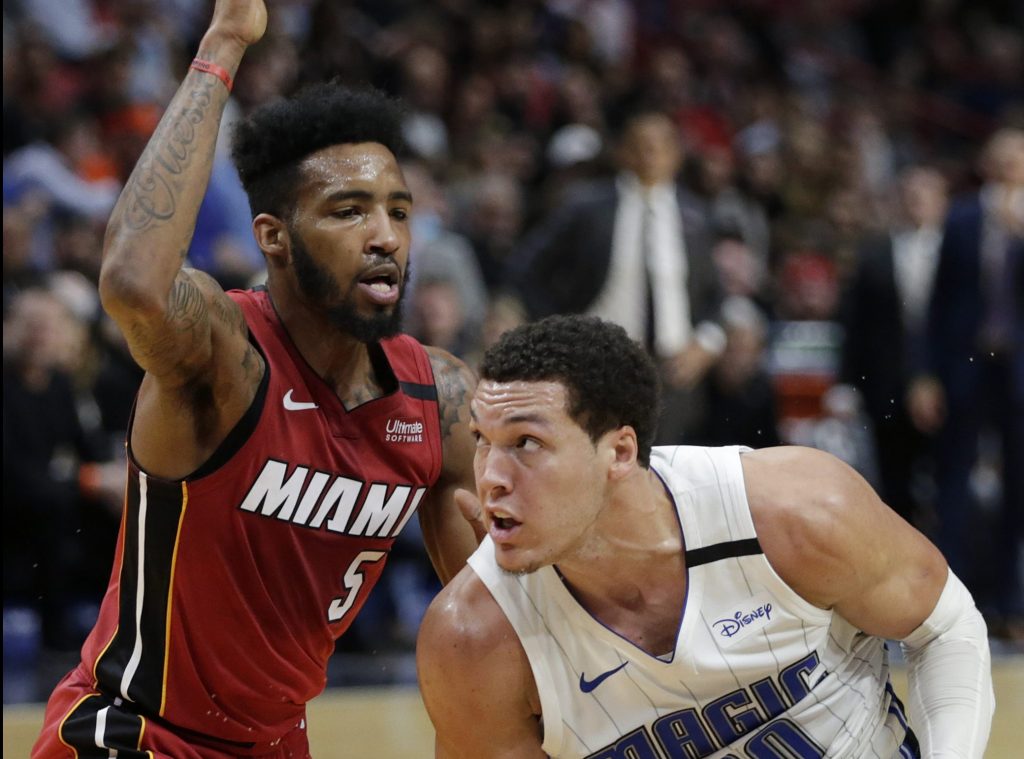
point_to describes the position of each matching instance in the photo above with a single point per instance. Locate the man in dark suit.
(635, 250)
(885, 310)
(976, 356)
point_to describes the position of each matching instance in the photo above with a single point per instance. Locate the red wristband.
(212, 68)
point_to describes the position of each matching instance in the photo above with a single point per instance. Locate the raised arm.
(475, 678)
(180, 326)
(448, 536)
(831, 538)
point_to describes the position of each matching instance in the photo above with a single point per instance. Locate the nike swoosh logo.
(588, 685)
(291, 405)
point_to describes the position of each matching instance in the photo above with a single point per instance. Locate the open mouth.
(502, 524)
(381, 284)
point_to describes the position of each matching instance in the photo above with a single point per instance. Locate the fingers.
(469, 505)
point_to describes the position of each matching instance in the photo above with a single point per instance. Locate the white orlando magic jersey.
(756, 671)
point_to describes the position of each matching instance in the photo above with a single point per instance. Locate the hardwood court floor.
(390, 723)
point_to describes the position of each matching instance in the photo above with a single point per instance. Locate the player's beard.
(321, 287)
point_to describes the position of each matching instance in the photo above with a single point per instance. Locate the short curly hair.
(610, 379)
(268, 146)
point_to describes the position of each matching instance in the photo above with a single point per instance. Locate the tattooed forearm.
(151, 195)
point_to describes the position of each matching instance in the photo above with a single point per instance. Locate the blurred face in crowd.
(922, 194)
(426, 76)
(651, 149)
(717, 168)
(1004, 158)
(40, 334)
(438, 313)
(496, 212)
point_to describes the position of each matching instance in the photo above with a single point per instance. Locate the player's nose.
(493, 475)
(383, 236)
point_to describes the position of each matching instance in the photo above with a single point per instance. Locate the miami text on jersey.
(341, 504)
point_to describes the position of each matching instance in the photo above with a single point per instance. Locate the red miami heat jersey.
(229, 588)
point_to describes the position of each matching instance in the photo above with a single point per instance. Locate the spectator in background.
(51, 172)
(491, 218)
(441, 260)
(741, 271)
(804, 359)
(741, 397)
(438, 317)
(573, 158)
(20, 273)
(731, 208)
(424, 86)
(77, 245)
(635, 251)
(976, 362)
(884, 317)
(60, 498)
(807, 287)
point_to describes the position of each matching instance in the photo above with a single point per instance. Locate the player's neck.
(633, 548)
(342, 361)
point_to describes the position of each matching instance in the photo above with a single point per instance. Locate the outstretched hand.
(472, 512)
(242, 20)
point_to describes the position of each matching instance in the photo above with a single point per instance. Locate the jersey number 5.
(353, 581)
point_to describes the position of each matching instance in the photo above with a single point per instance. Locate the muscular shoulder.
(466, 646)
(464, 618)
(811, 512)
(455, 383)
(830, 538)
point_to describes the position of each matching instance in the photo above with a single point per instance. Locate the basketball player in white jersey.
(682, 602)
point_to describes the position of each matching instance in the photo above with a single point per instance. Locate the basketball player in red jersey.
(281, 437)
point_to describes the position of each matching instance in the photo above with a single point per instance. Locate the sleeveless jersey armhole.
(231, 444)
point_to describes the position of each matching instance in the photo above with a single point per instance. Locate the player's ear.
(623, 448)
(272, 236)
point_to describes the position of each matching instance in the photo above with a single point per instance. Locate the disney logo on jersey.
(400, 430)
(739, 623)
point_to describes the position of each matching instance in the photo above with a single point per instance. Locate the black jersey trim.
(382, 369)
(122, 730)
(242, 430)
(719, 551)
(419, 391)
(134, 663)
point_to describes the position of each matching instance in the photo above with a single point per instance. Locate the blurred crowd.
(838, 184)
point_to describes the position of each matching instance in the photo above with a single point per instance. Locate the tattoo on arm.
(186, 323)
(187, 309)
(229, 313)
(151, 195)
(455, 384)
(252, 364)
